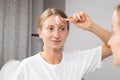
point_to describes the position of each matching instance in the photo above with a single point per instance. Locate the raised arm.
(83, 21)
(104, 35)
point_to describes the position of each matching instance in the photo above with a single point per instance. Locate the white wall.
(100, 12)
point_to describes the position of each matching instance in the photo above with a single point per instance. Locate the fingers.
(83, 17)
(78, 17)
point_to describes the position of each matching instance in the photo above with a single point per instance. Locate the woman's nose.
(56, 34)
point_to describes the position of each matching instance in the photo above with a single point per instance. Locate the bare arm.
(83, 21)
(104, 35)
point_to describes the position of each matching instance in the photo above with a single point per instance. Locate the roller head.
(57, 20)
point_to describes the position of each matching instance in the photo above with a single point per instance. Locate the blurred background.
(19, 22)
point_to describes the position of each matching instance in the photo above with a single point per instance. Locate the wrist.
(92, 27)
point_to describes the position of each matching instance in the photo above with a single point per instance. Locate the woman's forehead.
(49, 21)
(52, 20)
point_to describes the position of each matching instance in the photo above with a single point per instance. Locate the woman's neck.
(52, 56)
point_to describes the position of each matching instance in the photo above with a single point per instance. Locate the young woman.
(53, 63)
(114, 41)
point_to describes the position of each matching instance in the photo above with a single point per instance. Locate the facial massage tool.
(59, 19)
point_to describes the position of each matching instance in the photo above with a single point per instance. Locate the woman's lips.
(56, 41)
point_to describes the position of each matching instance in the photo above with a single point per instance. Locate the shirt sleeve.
(21, 70)
(88, 60)
(19, 73)
(92, 60)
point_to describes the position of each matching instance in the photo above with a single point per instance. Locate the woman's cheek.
(46, 32)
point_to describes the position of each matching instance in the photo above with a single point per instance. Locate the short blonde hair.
(48, 12)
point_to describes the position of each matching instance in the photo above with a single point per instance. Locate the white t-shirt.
(73, 66)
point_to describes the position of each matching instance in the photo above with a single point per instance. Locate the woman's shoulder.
(29, 60)
(83, 52)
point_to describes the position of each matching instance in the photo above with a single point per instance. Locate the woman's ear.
(39, 32)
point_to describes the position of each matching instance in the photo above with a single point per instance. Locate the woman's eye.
(50, 29)
(62, 28)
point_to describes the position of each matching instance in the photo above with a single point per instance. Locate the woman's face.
(52, 34)
(114, 41)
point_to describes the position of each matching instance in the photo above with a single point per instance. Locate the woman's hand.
(81, 20)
